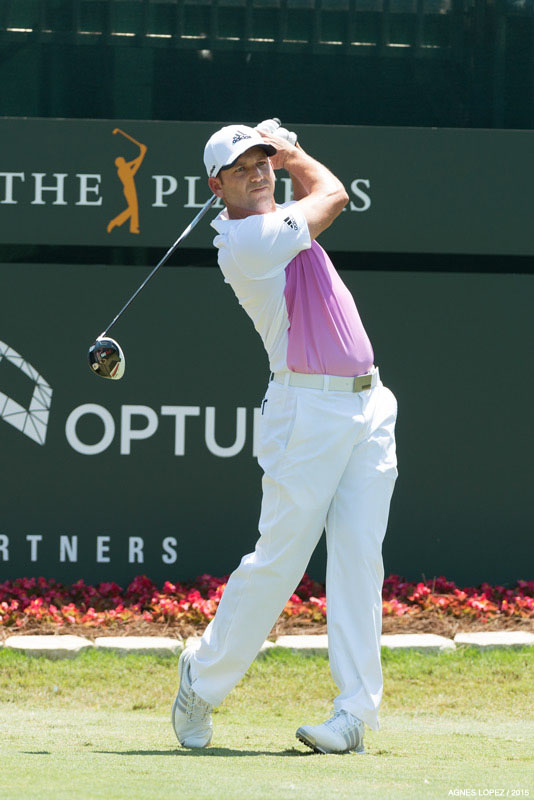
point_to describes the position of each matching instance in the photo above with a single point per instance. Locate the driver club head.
(106, 358)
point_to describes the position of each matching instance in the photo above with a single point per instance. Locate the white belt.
(329, 383)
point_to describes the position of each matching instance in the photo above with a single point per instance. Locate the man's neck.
(234, 212)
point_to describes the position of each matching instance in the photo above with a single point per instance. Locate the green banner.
(156, 473)
(127, 182)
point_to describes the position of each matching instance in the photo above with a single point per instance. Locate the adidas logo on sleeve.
(291, 222)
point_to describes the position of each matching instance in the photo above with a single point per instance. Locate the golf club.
(106, 358)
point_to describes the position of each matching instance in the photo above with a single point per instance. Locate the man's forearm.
(321, 196)
(309, 175)
(298, 189)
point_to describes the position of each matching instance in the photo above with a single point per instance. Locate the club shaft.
(164, 260)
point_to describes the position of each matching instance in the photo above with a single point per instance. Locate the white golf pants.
(329, 462)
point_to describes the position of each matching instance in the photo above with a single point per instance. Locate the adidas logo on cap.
(239, 136)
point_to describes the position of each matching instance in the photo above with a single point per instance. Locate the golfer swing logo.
(126, 171)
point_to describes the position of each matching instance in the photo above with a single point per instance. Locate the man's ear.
(215, 186)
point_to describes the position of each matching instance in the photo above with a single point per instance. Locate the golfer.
(327, 445)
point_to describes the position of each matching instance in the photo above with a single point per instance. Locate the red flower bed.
(485, 602)
(28, 602)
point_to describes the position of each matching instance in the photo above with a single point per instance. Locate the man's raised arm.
(322, 195)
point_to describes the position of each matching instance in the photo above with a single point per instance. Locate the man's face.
(247, 187)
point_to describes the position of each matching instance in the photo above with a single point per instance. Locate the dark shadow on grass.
(218, 752)
(36, 752)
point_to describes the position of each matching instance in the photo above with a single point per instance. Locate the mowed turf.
(98, 727)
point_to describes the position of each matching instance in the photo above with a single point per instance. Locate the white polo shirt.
(304, 313)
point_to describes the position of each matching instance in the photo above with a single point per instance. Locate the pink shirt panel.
(326, 335)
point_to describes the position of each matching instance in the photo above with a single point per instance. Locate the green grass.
(99, 727)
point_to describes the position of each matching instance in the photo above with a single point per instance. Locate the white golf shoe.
(191, 715)
(340, 734)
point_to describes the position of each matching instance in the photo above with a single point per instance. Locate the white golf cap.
(230, 142)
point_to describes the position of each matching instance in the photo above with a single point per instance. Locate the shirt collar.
(221, 221)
